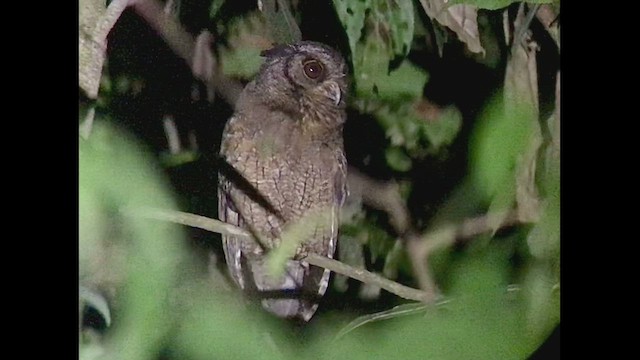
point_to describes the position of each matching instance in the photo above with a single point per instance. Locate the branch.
(95, 24)
(184, 45)
(188, 219)
(379, 195)
(220, 227)
(421, 246)
(109, 19)
(548, 18)
(368, 278)
(386, 196)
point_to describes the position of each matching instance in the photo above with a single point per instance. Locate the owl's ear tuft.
(277, 51)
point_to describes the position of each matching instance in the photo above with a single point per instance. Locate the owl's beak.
(334, 92)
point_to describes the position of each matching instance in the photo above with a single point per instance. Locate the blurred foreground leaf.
(496, 4)
(248, 36)
(482, 320)
(134, 259)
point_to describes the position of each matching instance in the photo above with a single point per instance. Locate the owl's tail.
(295, 294)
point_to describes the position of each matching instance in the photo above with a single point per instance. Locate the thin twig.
(420, 247)
(379, 195)
(217, 226)
(522, 28)
(188, 219)
(87, 124)
(171, 132)
(447, 235)
(368, 277)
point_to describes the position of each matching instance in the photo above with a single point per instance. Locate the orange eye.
(313, 69)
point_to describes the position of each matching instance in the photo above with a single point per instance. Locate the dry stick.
(367, 277)
(386, 196)
(383, 196)
(188, 219)
(92, 52)
(217, 226)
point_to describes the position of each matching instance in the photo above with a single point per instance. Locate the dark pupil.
(313, 69)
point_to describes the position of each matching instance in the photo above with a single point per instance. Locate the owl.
(284, 148)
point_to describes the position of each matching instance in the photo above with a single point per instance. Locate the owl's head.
(304, 77)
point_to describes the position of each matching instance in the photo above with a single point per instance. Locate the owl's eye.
(312, 69)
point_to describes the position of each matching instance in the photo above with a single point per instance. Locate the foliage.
(500, 291)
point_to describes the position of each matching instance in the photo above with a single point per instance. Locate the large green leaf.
(500, 138)
(397, 15)
(482, 320)
(391, 20)
(351, 14)
(496, 4)
(133, 256)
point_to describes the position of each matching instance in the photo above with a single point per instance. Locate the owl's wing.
(280, 296)
(228, 213)
(316, 279)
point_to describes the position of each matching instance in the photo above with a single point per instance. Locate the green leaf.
(542, 291)
(405, 82)
(183, 157)
(370, 66)
(214, 8)
(220, 327)
(497, 142)
(283, 26)
(398, 16)
(397, 159)
(442, 131)
(544, 238)
(242, 62)
(351, 15)
(496, 4)
(248, 36)
(480, 311)
(392, 21)
(374, 81)
(390, 35)
(136, 257)
(294, 235)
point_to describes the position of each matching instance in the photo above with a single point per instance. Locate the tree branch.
(368, 278)
(109, 19)
(220, 227)
(547, 17)
(183, 45)
(379, 195)
(95, 24)
(188, 219)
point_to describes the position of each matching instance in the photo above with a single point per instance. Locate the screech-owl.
(285, 140)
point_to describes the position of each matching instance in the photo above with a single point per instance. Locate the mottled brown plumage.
(285, 139)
